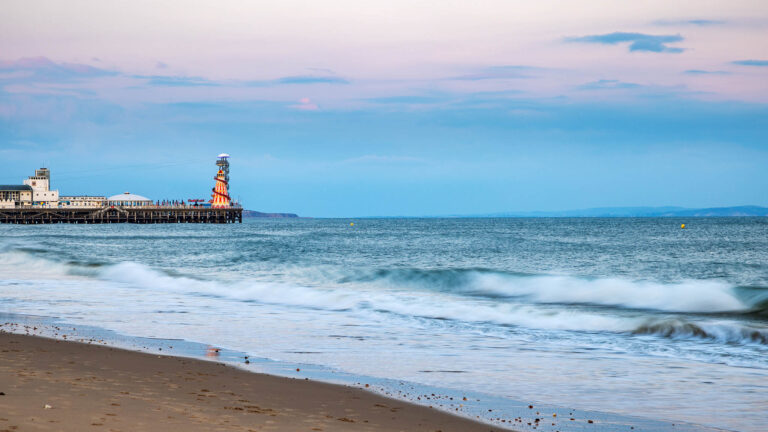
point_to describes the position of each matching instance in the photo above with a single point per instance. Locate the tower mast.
(223, 164)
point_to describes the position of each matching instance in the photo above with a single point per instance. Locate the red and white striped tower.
(220, 197)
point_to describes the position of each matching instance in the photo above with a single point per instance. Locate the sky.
(391, 108)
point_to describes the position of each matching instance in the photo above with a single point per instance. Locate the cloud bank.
(42, 69)
(705, 72)
(690, 22)
(605, 84)
(311, 79)
(759, 63)
(637, 41)
(500, 72)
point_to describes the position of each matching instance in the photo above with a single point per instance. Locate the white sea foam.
(686, 296)
(409, 304)
(143, 277)
(682, 296)
(449, 306)
(21, 265)
(519, 310)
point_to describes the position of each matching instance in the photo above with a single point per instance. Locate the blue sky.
(398, 109)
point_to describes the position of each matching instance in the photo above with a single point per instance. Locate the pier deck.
(140, 215)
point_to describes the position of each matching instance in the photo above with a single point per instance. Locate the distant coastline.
(597, 212)
(609, 212)
(738, 211)
(258, 214)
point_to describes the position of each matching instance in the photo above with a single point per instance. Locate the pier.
(34, 202)
(116, 214)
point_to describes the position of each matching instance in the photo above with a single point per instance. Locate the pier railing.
(152, 206)
(122, 214)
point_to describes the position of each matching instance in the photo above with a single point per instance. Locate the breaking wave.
(690, 296)
(468, 296)
(720, 332)
(445, 306)
(143, 277)
(408, 304)
(17, 263)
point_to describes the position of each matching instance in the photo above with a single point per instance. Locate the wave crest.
(705, 296)
(461, 295)
(720, 332)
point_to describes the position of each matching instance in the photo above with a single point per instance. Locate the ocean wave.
(16, 263)
(406, 304)
(144, 277)
(687, 296)
(757, 297)
(431, 305)
(463, 296)
(691, 296)
(721, 332)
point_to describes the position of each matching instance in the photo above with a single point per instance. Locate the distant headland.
(258, 214)
(738, 211)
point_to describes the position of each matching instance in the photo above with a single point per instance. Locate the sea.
(630, 321)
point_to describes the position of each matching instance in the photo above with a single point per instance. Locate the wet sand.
(53, 385)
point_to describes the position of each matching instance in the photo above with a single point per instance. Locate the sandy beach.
(49, 384)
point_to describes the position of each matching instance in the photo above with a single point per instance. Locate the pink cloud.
(305, 104)
(43, 69)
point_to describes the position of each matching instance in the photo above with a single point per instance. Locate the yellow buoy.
(351, 224)
(682, 226)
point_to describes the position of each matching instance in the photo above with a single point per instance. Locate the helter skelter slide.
(220, 197)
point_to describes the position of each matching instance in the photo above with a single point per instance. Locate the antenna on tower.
(223, 164)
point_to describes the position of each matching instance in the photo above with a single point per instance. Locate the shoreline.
(86, 386)
(475, 408)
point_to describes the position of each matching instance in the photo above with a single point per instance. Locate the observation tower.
(220, 197)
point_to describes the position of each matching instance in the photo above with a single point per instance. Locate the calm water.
(633, 316)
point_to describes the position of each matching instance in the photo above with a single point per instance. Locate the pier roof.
(15, 188)
(127, 196)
